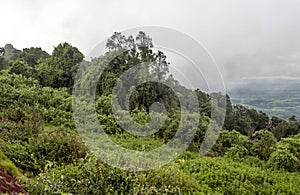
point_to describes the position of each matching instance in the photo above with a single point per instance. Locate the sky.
(249, 39)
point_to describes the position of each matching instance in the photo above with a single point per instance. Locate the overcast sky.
(248, 39)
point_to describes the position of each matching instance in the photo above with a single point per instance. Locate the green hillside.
(254, 153)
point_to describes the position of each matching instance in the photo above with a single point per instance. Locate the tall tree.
(60, 69)
(32, 55)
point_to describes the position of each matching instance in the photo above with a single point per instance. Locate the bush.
(58, 146)
(237, 152)
(58, 117)
(292, 144)
(89, 176)
(7, 165)
(263, 144)
(20, 123)
(17, 90)
(227, 139)
(225, 176)
(284, 159)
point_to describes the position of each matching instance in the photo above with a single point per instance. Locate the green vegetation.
(254, 154)
(7, 165)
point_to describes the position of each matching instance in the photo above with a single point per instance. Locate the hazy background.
(249, 39)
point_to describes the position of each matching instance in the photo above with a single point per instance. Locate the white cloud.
(247, 38)
(279, 77)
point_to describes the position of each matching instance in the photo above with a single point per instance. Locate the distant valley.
(279, 98)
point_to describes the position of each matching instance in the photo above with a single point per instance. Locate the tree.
(274, 122)
(245, 120)
(286, 128)
(32, 55)
(60, 69)
(135, 51)
(48, 74)
(118, 41)
(281, 130)
(160, 67)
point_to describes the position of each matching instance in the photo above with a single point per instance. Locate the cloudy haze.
(247, 39)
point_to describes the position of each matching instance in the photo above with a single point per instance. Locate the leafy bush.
(225, 176)
(227, 139)
(20, 123)
(7, 165)
(292, 144)
(20, 67)
(57, 146)
(89, 176)
(263, 144)
(237, 152)
(58, 117)
(287, 154)
(17, 90)
(284, 159)
(185, 176)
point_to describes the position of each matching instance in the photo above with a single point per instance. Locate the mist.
(247, 39)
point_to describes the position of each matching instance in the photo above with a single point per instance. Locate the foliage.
(20, 123)
(20, 67)
(59, 70)
(7, 165)
(32, 55)
(286, 128)
(56, 146)
(39, 137)
(263, 144)
(237, 152)
(284, 159)
(292, 144)
(185, 176)
(228, 139)
(92, 177)
(246, 121)
(17, 90)
(287, 154)
(228, 177)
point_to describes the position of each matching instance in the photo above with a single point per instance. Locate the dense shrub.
(58, 117)
(284, 159)
(292, 144)
(287, 154)
(91, 177)
(237, 152)
(263, 144)
(8, 166)
(228, 177)
(17, 90)
(57, 146)
(185, 176)
(20, 123)
(227, 139)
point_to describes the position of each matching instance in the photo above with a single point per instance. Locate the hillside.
(59, 151)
